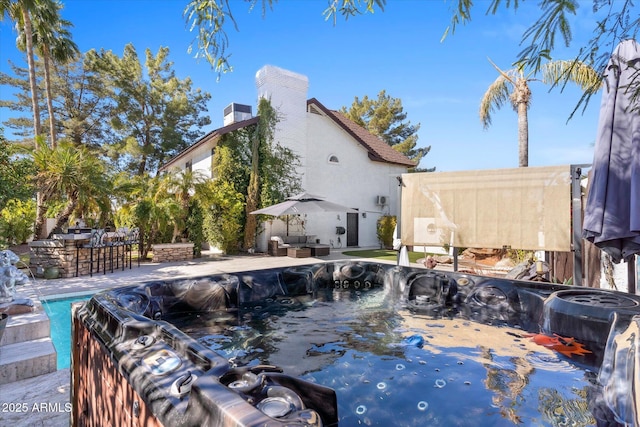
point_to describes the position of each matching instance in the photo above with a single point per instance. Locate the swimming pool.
(59, 312)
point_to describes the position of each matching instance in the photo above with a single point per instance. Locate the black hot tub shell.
(131, 367)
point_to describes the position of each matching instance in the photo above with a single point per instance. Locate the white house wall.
(355, 181)
(287, 92)
(202, 160)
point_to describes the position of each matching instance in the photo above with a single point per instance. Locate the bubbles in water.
(550, 363)
(440, 383)
(422, 405)
(361, 409)
(399, 367)
(381, 385)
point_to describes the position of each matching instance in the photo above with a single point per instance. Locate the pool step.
(26, 349)
(26, 327)
(27, 359)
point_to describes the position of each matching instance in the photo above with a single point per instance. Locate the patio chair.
(277, 246)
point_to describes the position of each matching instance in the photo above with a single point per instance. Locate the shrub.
(384, 229)
(195, 225)
(16, 221)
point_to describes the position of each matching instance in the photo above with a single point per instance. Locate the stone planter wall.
(169, 252)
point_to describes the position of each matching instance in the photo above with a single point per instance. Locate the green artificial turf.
(385, 254)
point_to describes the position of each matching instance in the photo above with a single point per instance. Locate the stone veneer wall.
(168, 252)
(61, 254)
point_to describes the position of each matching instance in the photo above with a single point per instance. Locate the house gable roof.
(377, 149)
(210, 137)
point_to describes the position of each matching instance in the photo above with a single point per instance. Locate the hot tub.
(355, 343)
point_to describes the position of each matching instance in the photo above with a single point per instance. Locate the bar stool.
(130, 238)
(96, 243)
(113, 243)
(133, 238)
(121, 246)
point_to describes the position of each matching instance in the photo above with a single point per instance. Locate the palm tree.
(19, 11)
(70, 174)
(154, 210)
(183, 185)
(52, 41)
(513, 86)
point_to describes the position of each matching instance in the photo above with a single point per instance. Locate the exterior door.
(352, 229)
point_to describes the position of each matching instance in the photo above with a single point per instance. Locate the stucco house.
(339, 161)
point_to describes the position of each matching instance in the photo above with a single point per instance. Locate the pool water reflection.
(463, 373)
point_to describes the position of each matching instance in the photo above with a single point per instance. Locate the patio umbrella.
(612, 219)
(303, 203)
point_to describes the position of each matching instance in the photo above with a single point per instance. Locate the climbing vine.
(251, 171)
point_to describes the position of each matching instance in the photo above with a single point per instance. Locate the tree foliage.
(384, 230)
(224, 218)
(619, 21)
(187, 187)
(53, 44)
(16, 221)
(385, 117)
(154, 115)
(73, 176)
(250, 171)
(210, 20)
(19, 12)
(15, 173)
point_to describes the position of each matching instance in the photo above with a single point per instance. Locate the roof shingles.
(378, 149)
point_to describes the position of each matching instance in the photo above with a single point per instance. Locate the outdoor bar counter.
(63, 252)
(80, 253)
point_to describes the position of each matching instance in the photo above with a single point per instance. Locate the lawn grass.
(385, 254)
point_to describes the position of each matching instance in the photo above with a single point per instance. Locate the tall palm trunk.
(63, 217)
(522, 98)
(39, 229)
(523, 136)
(28, 31)
(47, 85)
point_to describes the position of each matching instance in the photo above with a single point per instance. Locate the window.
(334, 159)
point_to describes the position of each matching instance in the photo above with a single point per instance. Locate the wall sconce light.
(338, 217)
(364, 214)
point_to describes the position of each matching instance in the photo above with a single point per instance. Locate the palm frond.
(563, 71)
(494, 98)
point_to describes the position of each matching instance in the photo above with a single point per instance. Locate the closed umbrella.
(612, 212)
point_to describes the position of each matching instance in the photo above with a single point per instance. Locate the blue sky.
(398, 50)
